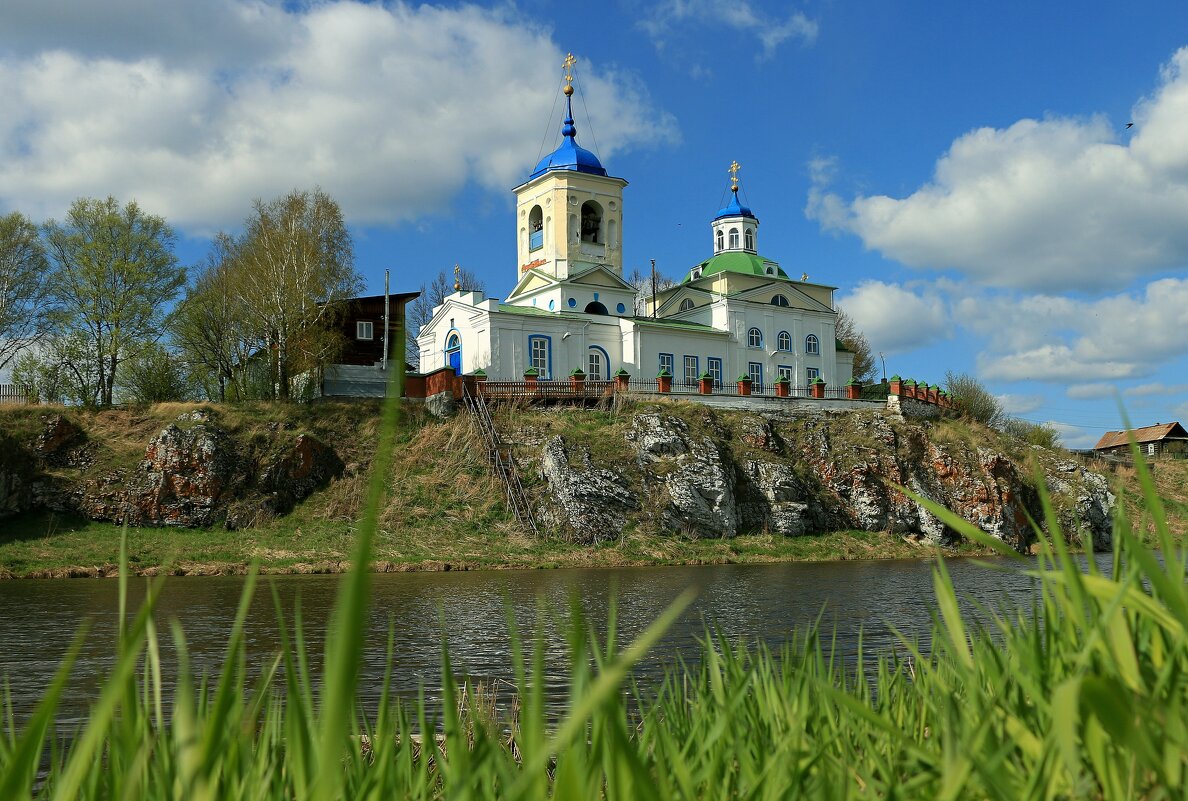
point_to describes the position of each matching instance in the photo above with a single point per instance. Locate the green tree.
(973, 400)
(294, 265)
(24, 299)
(61, 368)
(1040, 434)
(212, 328)
(114, 273)
(865, 369)
(154, 375)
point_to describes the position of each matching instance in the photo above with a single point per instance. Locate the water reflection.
(753, 602)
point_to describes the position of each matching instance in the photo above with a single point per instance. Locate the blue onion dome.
(734, 208)
(570, 155)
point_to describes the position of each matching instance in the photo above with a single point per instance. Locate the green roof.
(736, 261)
(840, 346)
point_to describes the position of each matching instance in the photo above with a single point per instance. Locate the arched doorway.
(598, 364)
(453, 351)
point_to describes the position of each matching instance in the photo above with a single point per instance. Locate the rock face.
(193, 474)
(708, 475)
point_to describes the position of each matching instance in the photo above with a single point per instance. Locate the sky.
(995, 189)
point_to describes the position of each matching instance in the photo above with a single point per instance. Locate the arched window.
(779, 300)
(755, 338)
(574, 232)
(535, 228)
(598, 364)
(595, 307)
(721, 240)
(733, 238)
(784, 341)
(811, 344)
(453, 352)
(771, 271)
(612, 233)
(591, 222)
(749, 239)
(696, 273)
(686, 304)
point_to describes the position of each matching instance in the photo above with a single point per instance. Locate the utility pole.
(384, 361)
(653, 288)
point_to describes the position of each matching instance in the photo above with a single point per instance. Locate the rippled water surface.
(756, 602)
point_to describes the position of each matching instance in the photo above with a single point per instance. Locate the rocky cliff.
(671, 468)
(707, 473)
(194, 472)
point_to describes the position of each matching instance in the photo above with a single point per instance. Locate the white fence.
(11, 393)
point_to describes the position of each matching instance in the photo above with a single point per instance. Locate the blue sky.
(962, 172)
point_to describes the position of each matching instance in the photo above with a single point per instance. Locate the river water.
(755, 602)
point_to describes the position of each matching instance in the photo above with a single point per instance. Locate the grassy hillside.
(444, 510)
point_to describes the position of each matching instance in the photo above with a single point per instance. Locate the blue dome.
(570, 155)
(734, 209)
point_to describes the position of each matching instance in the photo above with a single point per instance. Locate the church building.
(736, 313)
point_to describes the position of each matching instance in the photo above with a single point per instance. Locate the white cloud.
(1091, 391)
(1020, 404)
(1045, 338)
(741, 15)
(1043, 204)
(1181, 413)
(1155, 388)
(1076, 437)
(392, 109)
(895, 318)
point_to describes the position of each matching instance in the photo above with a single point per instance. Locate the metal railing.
(497, 390)
(501, 460)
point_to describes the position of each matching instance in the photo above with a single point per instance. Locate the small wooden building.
(1161, 439)
(362, 326)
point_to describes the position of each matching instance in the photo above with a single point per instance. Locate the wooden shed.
(1159, 440)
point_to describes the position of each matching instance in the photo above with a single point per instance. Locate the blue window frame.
(784, 371)
(783, 341)
(811, 373)
(598, 363)
(812, 345)
(755, 338)
(755, 371)
(540, 354)
(690, 372)
(714, 366)
(666, 363)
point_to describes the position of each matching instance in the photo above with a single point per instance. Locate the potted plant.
(705, 384)
(664, 380)
(744, 385)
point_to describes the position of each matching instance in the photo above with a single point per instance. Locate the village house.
(1160, 440)
(735, 314)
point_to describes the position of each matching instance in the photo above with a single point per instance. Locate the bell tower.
(569, 213)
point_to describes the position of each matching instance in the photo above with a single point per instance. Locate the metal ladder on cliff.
(502, 461)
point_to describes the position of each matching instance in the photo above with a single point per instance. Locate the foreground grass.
(50, 546)
(1082, 696)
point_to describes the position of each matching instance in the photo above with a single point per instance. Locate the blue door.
(454, 353)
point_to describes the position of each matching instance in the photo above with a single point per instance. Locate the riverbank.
(48, 546)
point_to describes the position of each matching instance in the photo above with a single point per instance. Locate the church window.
(621, 309)
(733, 238)
(595, 307)
(666, 362)
(771, 270)
(691, 372)
(591, 222)
(535, 229)
(598, 364)
(721, 240)
(812, 345)
(749, 239)
(783, 341)
(812, 373)
(538, 354)
(686, 304)
(714, 367)
(755, 338)
(779, 300)
(696, 273)
(364, 329)
(755, 371)
(784, 371)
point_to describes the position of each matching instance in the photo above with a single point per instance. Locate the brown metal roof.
(1114, 439)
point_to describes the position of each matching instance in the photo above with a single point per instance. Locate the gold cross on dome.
(457, 278)
(734, 168)
(568, 64)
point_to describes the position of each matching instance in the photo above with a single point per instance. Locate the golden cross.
(568, 64)
(734, 168)
(457, 278)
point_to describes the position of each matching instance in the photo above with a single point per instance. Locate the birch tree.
(295, 265)
(24, 299)
(114, 274)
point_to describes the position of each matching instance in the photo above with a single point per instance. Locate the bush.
(973, 400)
(1040, 434)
